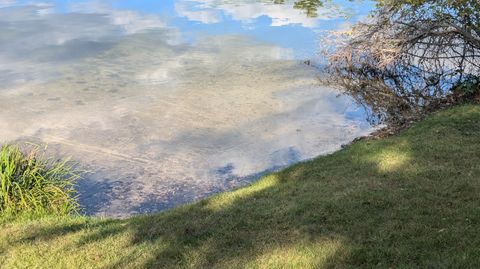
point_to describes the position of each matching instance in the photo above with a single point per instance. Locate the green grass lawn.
(409, 201)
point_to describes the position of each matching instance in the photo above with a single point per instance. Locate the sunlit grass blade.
(34, 184)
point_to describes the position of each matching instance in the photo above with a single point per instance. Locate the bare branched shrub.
(410, 58)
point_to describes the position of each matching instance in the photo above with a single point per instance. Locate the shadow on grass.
(408, 201)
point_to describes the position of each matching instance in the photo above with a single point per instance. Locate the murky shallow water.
(166, 102)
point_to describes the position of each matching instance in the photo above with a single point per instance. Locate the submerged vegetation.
(34, 184)
(407, 201)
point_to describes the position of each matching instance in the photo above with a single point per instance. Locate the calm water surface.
(166, 102)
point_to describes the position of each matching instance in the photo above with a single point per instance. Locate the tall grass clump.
(33, 184)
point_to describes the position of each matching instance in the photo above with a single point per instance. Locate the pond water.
(165, 102)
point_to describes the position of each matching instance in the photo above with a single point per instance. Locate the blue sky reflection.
(169, 101)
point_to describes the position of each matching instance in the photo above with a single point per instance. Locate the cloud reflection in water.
(160, 121)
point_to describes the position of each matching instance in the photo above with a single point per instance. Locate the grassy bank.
(409, 201)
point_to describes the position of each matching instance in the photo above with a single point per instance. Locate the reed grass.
(32, 183)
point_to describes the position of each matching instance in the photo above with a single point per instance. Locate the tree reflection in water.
(309, 6)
